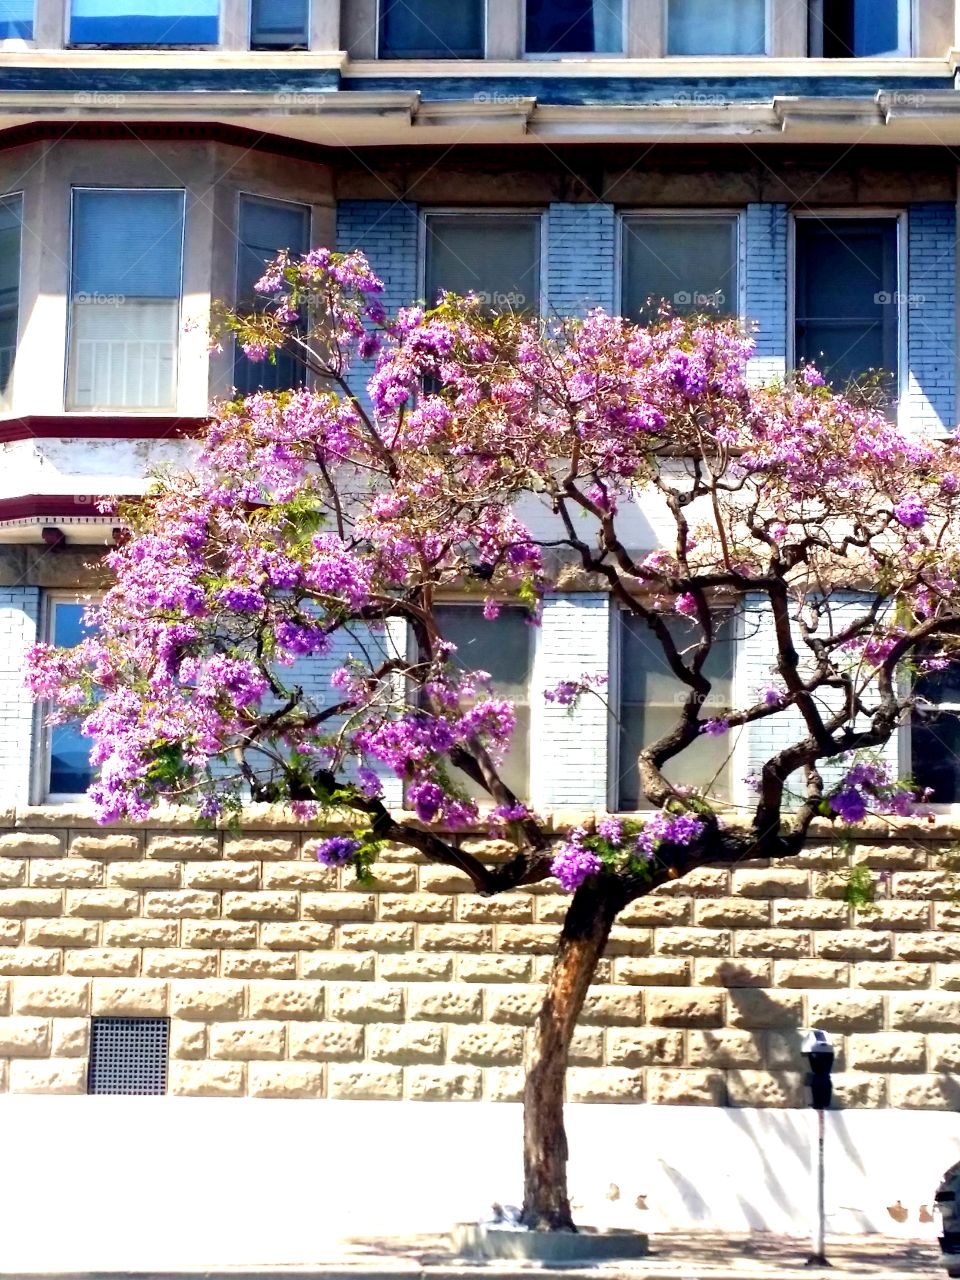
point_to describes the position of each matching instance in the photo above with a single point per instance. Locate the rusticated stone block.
(514, 908)
(724, 1049)
(517, 1005)
(59, 997)
(891, 975)
(338, 906)
(415, 967)
(131, 998)
(102, 904)
(846, 1011)
(586, 1048)
(931, 1093)
(51, 1075)
(732, 973)
(107, 848)
(261, 848)
(772, 882)
(376, 937)
(851, 1090)
(943, 1053)
(765, 1089)
(443, 1084)
(241, 1041)
(11, 933)
(926, 1012)
(219, 934)
(776, 943)
(811, 913)
(337, 966)
(893, 1051)
(885, 914)
(533, 939)
(481, 968)
(4, 998)
(221, 875)
(21, 903)
(286, 1000)
(325, 1041)
(890, 857)
(182, 904)
(650, 971)
(643, 1047)
(30, 844)
(928, 946)
(549, 909)
(686, 1088)
(24, 1037)
(29, 960)
(302, 875)
(285, 1080)
(761, 1009)
(685, 1008)
(611, 1084)
(350, 1081)
(102, 962)
(705, 882)
(405, 1044)
(394, 852)
(928, 885)
(264, 905)
(946, 914)
(486, 1046)
(854, 944)
(810, 973)
(140, 933)
(504, 1084)
(447, 1003)
(608, 1006)
(258, 964)
(625, 941)
(831, 884)
(456, 937)
(178, 963)
(395, 880)
(723, 913)
(296, 935)
(215, 1000)
(427, 907)
(188, 1040)
(192, 848)
(692, 942)
(144, 875)
(207, 1079)
(63, 873)
(70, 1038)
(948, 975)
(655, 911)
(781, 1051)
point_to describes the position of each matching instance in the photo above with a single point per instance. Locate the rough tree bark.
(546, 1203)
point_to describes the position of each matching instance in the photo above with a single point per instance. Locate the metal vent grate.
(128, 1055)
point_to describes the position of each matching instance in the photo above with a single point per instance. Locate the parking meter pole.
(817, 1048)
(819, 1258)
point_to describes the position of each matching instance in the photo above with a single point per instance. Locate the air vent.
(128, 1055)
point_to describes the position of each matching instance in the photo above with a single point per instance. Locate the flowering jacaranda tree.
(322, 520)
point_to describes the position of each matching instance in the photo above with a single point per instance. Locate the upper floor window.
(11, 217)
(266, 226)
(650, 696)
(280, 24)
(688, 261)
(846, 307)
(935, 735)
(125, 299)
(16, 19)
(716, 28)
(431, 28)
(144, 22)
(67, 757)
(860, 28)
(494, 255)
(574, 26)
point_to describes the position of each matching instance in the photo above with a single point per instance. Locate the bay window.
(688, 261)
(716, 28)
(432, 28)
(860, 28)
(574, 26)
(132, 23)
(11, 219)
(280, 24)
(16, 19)
(125, 298)
(494, 255)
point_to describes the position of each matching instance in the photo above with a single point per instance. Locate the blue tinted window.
(144, 22)
(431, 29)
(267, 226)
(70, 772)
(16, 19)
(280, 24)
(11, 217)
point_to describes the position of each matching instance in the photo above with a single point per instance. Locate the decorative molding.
(97, 427)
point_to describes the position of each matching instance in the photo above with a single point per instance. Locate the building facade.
(790, 164)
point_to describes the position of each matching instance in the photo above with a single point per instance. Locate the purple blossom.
(910, 512)
(611, 830)
(849, 805)
(573, 864)
(667, 828)
(335, 851)
(686, 605)
(715, 728)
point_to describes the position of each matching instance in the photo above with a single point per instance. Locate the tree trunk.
(546, 1206)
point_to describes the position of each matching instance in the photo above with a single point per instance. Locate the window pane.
(144, 22)
(431, 29)
(70, 772)
(859, 28)
(935, 747)
(717, 27)
(127, 249)
(574, 26)
(688, 262)
(16, 19)
(11, 215)
(266, 226)
(280, 24)
(496, 256)
(504, 649)
(846, 305)
(649, 697)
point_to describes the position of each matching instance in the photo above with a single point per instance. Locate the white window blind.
(687, 262)
(494, 255)
(717, 28)
(280, 24)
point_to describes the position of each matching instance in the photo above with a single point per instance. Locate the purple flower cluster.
(573, 863)
(668, 828)
(336, 851)
(910, 512)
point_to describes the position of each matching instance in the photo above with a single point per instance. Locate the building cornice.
(97, 427)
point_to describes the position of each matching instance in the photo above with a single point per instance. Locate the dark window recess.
(431, 28)
(128, 1055)
(574, 26)
(935, 734)
(280, 24)
(859, 28)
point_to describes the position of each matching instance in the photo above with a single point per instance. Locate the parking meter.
(817, 1048)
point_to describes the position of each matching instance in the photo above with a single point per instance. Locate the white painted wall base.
(130, 1182)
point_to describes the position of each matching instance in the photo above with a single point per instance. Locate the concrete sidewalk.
(678, 1256)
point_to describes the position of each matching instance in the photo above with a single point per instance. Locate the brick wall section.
(765, 265)
(931, 318)
(581, 251)
(19, 629)
(284, 979)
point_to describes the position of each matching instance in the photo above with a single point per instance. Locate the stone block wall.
(282, 978)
